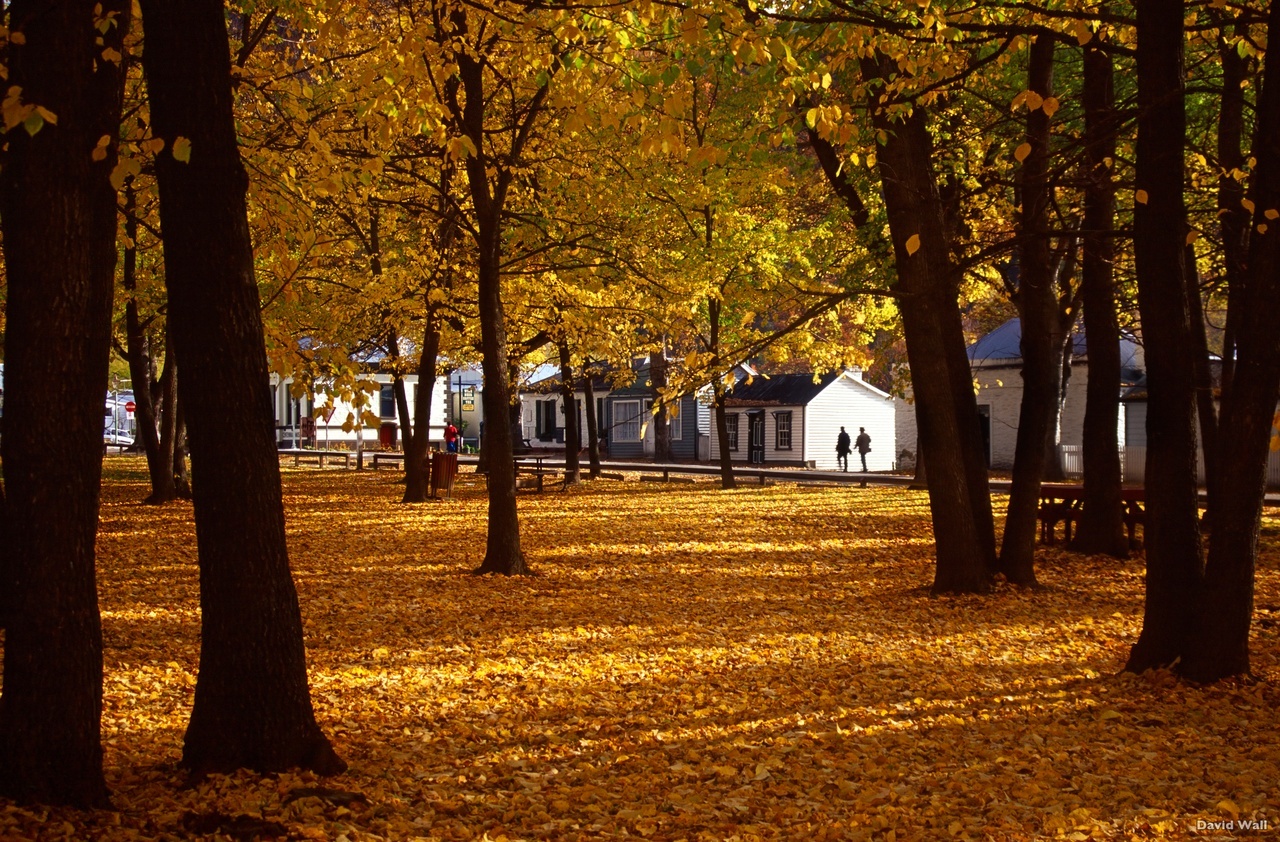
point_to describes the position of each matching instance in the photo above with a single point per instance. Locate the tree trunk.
(661, 429)
(722, 436)
(1233, 219)
(1220, 645)
(502, 552)
(946, 409)
(252, 704)
(141, 362)
(718, 397)
(1037, 303)
(1202, 378)
(58, 212)
(417, 470)
(1101, 528)
(173, 460)
(1159, 229)
(572, 436)
(593, 424)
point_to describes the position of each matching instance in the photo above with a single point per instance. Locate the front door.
(755, 448)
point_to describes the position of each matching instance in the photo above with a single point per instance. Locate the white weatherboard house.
(300, 421)
(793, 419)
(996, 362)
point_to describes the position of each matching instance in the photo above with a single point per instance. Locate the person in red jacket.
(451, 438)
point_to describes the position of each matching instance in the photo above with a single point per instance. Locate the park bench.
(320, 456)
(1063, 502)
(383, 456)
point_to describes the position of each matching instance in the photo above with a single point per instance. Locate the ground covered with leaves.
(688, 663)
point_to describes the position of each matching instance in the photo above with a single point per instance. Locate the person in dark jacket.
(863, 443)
(842, 450)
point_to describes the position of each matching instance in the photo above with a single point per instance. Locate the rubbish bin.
(444, 467)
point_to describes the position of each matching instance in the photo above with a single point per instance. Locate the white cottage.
(996, 362)
(300, 421)
(795, 419)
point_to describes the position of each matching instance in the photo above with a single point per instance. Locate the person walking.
(842, 450)
(863, 443)
(451, 438)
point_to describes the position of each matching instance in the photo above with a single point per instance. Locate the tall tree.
(928, 288)
(58, 212)
(1043, 335)
(1172, 531)
(1219, 646)
(252, 703)
(492, 163)
(1101, 526)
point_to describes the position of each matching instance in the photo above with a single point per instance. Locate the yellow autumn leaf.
(913, 244)
(182, 149)
(1050, 106)
(1020, 154)
(1140, 196)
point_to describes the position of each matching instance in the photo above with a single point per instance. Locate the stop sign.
(130, 406)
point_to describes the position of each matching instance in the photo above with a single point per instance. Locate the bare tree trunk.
(417, 470)
(947, 411)
(252, 703)
(1041, 343)
(1219, 646)
(1101, 527)
(593, 424)
(572, 436)
(141, 363)
(58, 212)
(1159, 229)
(661, 429)
(718, 397)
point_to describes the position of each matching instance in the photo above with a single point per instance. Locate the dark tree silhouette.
(252, 703)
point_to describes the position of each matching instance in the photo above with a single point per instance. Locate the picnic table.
(535, 472)
(1063, 502)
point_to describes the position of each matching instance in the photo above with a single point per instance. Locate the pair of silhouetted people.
(843, 442)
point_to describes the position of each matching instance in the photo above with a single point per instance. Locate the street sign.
(130, 407)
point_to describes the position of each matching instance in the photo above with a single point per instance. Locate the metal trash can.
(444, 468)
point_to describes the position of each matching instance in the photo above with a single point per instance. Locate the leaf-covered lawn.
(688, 664)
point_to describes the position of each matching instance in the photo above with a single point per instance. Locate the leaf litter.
(688, 663)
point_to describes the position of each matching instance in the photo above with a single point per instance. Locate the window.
(387, 402)
(675, 424)
(782, 430)
(627, 420)
(731, 422)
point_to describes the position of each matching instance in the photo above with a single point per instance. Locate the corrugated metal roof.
(1003, 346)
(779, 390)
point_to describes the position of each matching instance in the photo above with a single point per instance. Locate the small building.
(302, 421)
(996, 363)
(795, 419)
(542, 411)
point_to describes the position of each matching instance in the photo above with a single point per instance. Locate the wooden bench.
(384, 456)
(1063, 502)
(320, 456)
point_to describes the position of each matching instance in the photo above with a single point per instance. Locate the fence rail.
(1133, 464)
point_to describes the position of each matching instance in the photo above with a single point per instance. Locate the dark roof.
(779, 390)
